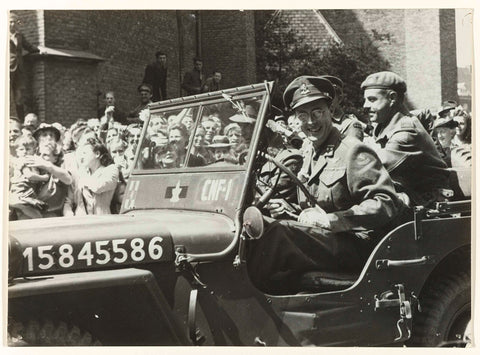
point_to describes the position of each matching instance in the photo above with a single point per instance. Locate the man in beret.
(355, 200)
(347, 124)
(406, 149)
(145, 91)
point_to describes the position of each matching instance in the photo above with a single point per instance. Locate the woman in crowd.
(97, 180)
(443, 133)
(166, 157)
(463, 134)
(117, 149)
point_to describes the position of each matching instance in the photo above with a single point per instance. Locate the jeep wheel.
(445, 319)
(47, 333)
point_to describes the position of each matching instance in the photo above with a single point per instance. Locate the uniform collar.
(385, 132)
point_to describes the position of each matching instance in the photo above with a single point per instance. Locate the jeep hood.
(64, 244)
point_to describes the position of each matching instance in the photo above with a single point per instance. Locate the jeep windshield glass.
(216, 134)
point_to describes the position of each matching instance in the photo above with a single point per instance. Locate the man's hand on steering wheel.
(278, 207)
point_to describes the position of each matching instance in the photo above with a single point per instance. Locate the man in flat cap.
(402, 143)
(352, 204)
(347, 124)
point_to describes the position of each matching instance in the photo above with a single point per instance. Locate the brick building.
(419, 44)
(91, 52)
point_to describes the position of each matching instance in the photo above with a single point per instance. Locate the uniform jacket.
(350, 183)
(410, 156)
(156, 75)
(350, 125)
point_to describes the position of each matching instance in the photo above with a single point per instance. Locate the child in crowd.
(27, 181)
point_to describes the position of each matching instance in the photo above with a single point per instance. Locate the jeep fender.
(94, 299)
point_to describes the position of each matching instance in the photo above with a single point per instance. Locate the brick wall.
(67, 89)
(228, 45)
(418, 43)
(309, 25)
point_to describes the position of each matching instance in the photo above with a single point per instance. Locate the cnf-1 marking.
(216, 189)
(98, 253)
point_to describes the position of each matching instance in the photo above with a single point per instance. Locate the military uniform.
(406, 149)
(350, 125)
(349, 182)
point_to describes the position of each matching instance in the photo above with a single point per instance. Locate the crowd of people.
(83, 169)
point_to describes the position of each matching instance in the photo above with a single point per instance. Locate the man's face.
(110, 99)
(316, 121)
(13, 25)
(378, 103)
(31, 121)
(145, 96)
(162, 59)
(210, 130)
(217, 77)
(198, 65)
(14, 131)
(134, 136)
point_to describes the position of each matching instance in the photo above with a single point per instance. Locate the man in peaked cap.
(406, 149)
(352, 203)
(347, 124)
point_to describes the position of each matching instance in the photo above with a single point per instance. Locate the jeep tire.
(47, 333)
(446, 312)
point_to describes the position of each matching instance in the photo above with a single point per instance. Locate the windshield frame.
(200, 101)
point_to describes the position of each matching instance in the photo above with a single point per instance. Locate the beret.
(385, 80)
(305, 89)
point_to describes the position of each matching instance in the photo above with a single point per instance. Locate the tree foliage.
(278, 42)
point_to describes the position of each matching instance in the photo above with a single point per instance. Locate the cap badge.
(304, 90)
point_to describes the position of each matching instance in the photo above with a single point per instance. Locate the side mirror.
(253, 222)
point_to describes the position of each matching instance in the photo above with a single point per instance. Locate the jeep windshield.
(195, 151)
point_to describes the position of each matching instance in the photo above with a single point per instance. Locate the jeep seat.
(324, 281)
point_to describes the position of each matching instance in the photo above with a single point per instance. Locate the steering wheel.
(271, 191)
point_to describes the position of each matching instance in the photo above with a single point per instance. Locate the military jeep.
(171, 268)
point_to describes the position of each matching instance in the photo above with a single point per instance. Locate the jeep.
(171, 268)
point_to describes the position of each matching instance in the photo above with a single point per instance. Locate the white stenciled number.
(100, 251)
(155, 250)
(138, 254)
(42, 254)
(28, 253)
(86, 253)
(66, 259)
(117, 249)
